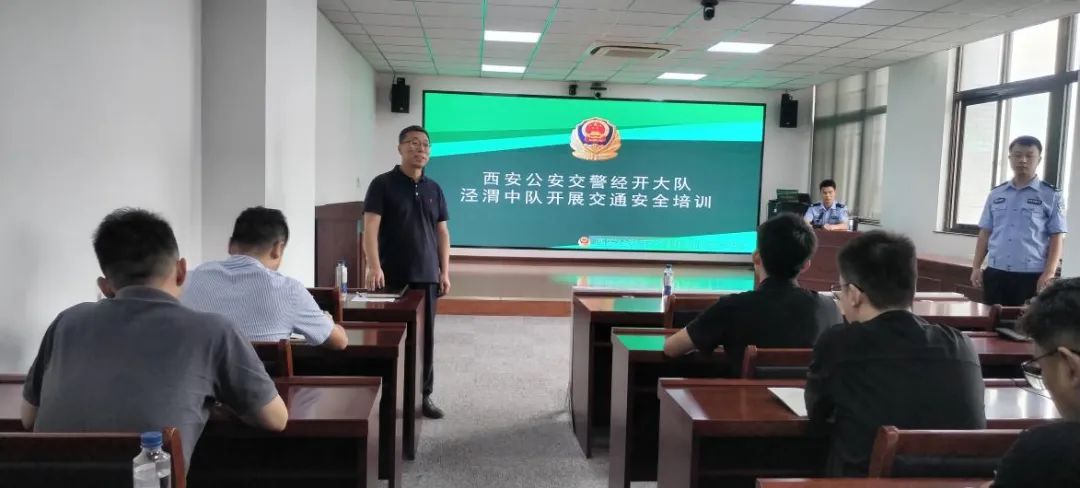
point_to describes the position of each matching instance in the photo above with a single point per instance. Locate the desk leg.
(414, 383)
(370, 459)
(581, 371)
(678, 458)
(621, 420)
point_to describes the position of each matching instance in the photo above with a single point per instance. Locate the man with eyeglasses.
(1021, 231)
(1048, 456)
(406, 238)
(887, 366)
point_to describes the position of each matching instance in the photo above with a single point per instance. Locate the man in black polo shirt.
(406, 239)
(778, 313)
(1046, 456)
(887, 366)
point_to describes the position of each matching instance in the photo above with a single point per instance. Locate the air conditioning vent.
(630, 50)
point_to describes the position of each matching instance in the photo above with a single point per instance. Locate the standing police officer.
(827, 214)
(1020, 232)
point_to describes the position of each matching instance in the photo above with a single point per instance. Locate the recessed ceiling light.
(511, 36)
(681, 76)
(739, 47)
(499, 68)
(833, 3)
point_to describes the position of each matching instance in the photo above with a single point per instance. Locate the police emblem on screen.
(595, 139)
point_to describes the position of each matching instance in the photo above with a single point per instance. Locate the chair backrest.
(329, 300)
(79, 459)
(276, 357)
(680, 310)
(776, 363)
(938, 453)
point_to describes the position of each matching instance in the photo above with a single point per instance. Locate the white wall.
(787, 151)
(290, 127)
(344, 117)
(916, 152)
(99, 108)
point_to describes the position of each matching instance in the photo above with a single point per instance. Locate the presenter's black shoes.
(430, 410)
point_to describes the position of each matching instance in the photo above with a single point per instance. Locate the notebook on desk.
(793, 398)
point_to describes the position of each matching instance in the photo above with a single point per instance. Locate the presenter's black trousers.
(431, 295)
(1008, 288)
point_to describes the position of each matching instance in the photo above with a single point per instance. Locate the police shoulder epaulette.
(1048, 185)
(839, 205)
(999, 186)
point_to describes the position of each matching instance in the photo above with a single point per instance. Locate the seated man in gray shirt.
(248, 289)
(140, 361)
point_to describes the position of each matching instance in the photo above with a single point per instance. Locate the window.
(1018, 83)
(849, 140)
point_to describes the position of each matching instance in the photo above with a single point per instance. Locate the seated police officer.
(827, 214)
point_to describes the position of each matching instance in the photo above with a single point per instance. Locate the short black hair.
(883, 265)
(411, 128)
(827, 183)
(785, 243)
(1026, 141)
(259, 228)
(1053, 318)
(134, 247)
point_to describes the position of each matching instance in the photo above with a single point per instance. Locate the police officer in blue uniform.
(1020, 232)
(827, 214)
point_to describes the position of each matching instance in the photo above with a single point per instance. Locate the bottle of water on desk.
(669, 282)
(153, 466)
(341, 279)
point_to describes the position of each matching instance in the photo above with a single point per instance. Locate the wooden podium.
(823, 272)
(339, 235)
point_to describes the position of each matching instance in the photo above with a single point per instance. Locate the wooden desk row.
(595, 316)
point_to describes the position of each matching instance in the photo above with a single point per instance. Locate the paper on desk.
(794, 399)
(363, 298)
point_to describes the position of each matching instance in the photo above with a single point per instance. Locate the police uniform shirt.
(408, 237)
(818, 214)
(1021, 221)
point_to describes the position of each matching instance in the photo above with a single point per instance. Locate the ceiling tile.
(945, 20)
(326, 5)
(457, 60)
(599, 4)
(697, 24)
(388, 49)
(387, 19)
(451, 22)
(394, 57)
(876, 17)
(781, 26)
(400, 7)
(566, 65)
(762, 37)
(929, 46)
(391, 30)
(822, 41)
(845, 70)
(804, 67)
(463, 34)
(808, 13)
(871, 63)
(665, 6)
(527, 3)
(544, 77)
(845, 30)
(908, 33)
(652, 19)
(428, 9)
(877, 44)
(584, 16)
(744, 10)
(620, 30)
(824, 62)
(919, 5)
(800, 50)
(845, 52)
(570, 38)
(508, 50)
(961, 36)
(525, 25)
(460, 71)
(986, 7)
(408, 41)
(496, 12)
(339, 17)
(899, 55)
(352, 29)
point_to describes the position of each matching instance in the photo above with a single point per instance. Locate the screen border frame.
(761, 169)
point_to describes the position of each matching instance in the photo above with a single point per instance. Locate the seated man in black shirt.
(888, 366)
(1048, 456)
(778, 313)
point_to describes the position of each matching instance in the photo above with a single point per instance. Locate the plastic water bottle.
(341, 278)
(152, 468)
(669, 282)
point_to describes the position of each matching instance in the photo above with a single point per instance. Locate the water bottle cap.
(150, 439)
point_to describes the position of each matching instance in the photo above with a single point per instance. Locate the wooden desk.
(999, 357)
(409, 309)
(375, 349)
(961, 315)
(590, 357)
(732, 431)
(638, 362)
(331, 439)
(868, 483)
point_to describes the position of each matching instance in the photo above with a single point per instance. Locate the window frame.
(1056, 85)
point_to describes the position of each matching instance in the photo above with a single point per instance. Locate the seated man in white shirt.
(247, 288)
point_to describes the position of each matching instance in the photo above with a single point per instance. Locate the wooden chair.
(277, 357)
(329, 300)
(679, 310)
(776, 363)
(82, 459)
(938, 453)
